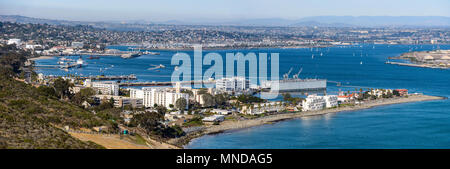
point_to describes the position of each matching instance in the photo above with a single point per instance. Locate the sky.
(198, 10)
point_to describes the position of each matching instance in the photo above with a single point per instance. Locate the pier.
(163, 83)
(60, 66)
(123, 77)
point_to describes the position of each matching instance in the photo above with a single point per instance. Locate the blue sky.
(162, 10)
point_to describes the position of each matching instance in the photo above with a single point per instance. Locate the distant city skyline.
(204, 10)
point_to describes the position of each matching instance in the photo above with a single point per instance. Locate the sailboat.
(312, 57)
(360, 63)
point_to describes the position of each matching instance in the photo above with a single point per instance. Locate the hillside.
(28, 117)
(320, 21)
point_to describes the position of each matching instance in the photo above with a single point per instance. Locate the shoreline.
(235, 125)
(230, 48)
(417, 65)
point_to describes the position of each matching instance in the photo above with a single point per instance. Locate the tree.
(148, 121)
(14, 61)
(286, 96)
(124, 92)
(161, 110)
(191, 94)
(181, 104)
(208, 100)
(249, 99)
(203, 91)
(84, 95)
(47, 91)
(106, 104)
(62, 87)
(220, 99)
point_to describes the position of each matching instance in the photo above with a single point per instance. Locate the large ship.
(295, 84)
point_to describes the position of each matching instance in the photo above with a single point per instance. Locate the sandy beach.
(41, 57)
(234, 125)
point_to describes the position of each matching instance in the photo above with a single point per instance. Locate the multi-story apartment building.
(106, 87)
(234, 84)
(159, 96)
(314, 102)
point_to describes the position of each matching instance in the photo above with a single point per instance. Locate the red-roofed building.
(401, 92)
(346, 98)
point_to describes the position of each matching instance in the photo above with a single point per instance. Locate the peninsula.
(428, 59)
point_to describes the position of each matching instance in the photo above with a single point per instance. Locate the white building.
(259, 108)
(120, 101)
(136, 93)
(214, 118)
(32, 46)
(159, 96)
(17, 42)
(106, 87)
(331, 101)
(199, 97)
(77, 44)
(314, 102)
(87, 83)
(380, 92)
(221, 111)
(234, 84)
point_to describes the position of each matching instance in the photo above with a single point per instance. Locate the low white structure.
(214, 118)
(380, 92)
(221, 111)
(259, 108)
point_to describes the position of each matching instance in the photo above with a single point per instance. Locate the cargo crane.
(296, 75)
(286, 75)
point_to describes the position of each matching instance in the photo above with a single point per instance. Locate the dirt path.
(108, 141)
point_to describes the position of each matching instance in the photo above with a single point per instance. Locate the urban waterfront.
(410, 125)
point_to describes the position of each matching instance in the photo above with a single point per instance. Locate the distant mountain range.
(320, 21)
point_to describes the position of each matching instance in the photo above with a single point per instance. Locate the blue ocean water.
(410, 125)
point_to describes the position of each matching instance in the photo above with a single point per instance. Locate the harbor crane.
(296, 75)
(286, 75)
